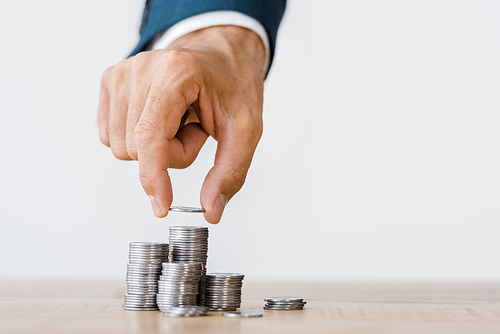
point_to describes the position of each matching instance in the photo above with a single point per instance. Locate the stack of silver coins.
(190, 244)
(284, 303)
(178, 285)
(143, 271)
(223, 291)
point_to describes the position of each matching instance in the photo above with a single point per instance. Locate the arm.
(159, 15)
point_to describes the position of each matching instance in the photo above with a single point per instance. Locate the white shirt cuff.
(210, 19)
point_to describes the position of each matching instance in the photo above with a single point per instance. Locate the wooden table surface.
(96, 307)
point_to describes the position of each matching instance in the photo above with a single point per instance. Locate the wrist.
(231, 41)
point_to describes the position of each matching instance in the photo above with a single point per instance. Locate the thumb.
(232, 160)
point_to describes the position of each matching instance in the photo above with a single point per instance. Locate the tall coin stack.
(190, 244)
(178, 285)
(223, 291)
(143, 271)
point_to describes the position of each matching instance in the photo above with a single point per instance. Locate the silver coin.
(189, 228)
(133, 308)
(283, 299)
(174, 292)
(225, 275)
(177, 315)
(161, 299)
(142, 287)
(129, 300)
(145, 264)
(141, 295)
(140, 292)
(142, 282)
(186, 209)
(242, 314)
(144, 274)
(147, 244)
(285, 304)
(290, 308)
(188, 309)
(138, 303)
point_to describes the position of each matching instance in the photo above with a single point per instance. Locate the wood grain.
(95, 307)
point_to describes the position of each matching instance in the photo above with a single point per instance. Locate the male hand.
(160, 106)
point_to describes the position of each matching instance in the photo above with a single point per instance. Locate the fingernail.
(219, 205)
(155, 206)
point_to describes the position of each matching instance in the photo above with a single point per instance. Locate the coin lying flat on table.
(283, 299)
(186, 209)
(242, 314)
(284, 303)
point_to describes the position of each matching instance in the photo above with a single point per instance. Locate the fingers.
(186, 145)
(119, 101)
(103, 114)
(135, 108)
(140, 79)
(237, 143)
(153, 135)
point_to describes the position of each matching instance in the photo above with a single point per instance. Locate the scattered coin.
(242, 314)
(283, 299)
(188, 209)
(284, 303)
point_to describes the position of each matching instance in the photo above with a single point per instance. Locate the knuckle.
(140, 64)
(251, 126)
(146, 178)
(143, 132)
(176, 58)
(119, 73)
(238, 175)
(106, 75)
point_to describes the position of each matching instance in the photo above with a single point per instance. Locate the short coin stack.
(178, 285)
(284, 303)
(143, 270)
(223, 291)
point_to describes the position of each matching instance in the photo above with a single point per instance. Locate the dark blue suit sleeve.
(159, 15)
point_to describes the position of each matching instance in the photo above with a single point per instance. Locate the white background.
(380, 157)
